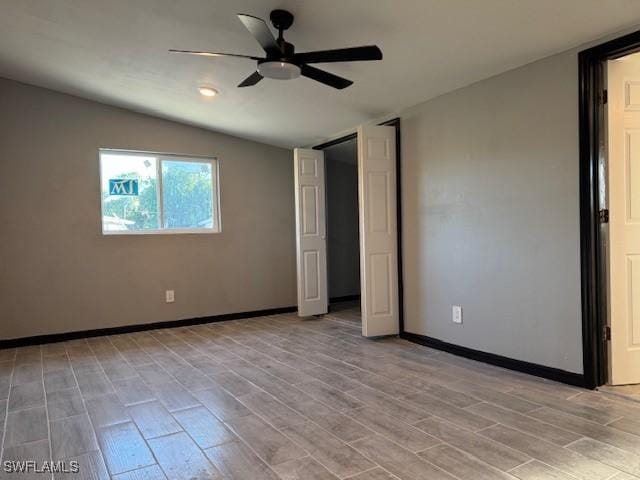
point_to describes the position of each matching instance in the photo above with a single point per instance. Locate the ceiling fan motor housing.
(279, 65)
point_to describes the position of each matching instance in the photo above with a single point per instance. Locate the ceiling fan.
(282, 63)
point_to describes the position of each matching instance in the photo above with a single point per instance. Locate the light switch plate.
(456, 312)
(170, 296)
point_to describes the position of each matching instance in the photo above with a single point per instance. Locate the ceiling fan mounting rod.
(282, 20)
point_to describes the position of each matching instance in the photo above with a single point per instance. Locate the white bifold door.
(377, 203)
(378, 230)
(624, 219)
(311, 241)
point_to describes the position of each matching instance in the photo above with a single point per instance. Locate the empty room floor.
(279, 397)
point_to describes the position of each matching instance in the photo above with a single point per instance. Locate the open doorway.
(378, 228)
(343, 239)
(610, 214)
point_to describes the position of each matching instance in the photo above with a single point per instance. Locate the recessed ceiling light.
(207, 91)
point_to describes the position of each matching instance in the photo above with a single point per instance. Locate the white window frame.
(173, 157)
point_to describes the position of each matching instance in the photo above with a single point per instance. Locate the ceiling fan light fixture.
(207, 91)
(279, 70)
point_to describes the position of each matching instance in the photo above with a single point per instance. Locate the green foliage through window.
(187, 189)
(186, 195)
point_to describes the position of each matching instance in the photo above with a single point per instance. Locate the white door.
(378, 230)
(311, 243)
(624, 219)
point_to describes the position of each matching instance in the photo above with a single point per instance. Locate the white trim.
(216, 197)
(124, 151)
(164, 231)
(160, 157)
(159, 191)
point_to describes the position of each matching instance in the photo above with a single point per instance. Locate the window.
(158, 193)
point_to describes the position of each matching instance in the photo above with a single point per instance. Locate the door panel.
(623, 111)
(378, 230)
(378, 201)
(311, 275)
(380, 284)
(311, 243)
(633, 281)
(310, 209)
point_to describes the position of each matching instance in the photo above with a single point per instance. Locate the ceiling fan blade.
(324, 77)
(353, 54)
(251, 80)
(213, 54)
(261, 32)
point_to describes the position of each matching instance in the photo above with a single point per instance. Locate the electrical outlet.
(170, 296)
(456, 312)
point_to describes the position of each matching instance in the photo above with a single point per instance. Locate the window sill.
(172, 231)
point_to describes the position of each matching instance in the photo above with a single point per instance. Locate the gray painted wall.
(343, 250)
(491, 215)
(59, 273)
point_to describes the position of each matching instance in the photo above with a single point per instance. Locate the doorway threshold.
(627, 392)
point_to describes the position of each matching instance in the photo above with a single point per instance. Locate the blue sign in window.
(123, 186)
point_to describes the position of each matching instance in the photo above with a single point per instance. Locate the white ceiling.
(115, 51)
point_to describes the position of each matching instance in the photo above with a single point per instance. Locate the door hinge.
(604, 215)
(606, 334)
(604, 96)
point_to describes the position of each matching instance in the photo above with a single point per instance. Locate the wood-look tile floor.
(630, 392)
(283, 398)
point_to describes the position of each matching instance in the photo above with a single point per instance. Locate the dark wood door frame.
(394, 122)
(592, 100)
